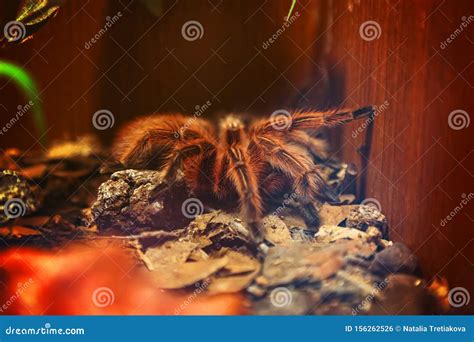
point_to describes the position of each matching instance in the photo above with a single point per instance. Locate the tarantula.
(233, 163)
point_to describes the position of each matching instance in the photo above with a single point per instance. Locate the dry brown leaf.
(35, 171)
(17, 231)
(33, 221)
(310, 262)
(179, 276)
(231, 284)
(170, 253)
(198, 255)
(334, 214)
(240, 263)
(330, 234)
(276, 230)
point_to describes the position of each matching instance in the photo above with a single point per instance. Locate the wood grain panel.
(419, 168)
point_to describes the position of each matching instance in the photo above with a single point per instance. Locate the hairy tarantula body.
(248, 166)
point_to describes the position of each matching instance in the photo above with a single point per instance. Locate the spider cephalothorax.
(233, 163)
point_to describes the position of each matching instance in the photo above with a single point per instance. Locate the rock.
(330, 234)
(374, 233)
(349, 289)
(130, 201)
(395, 259)
(170, 253)
(217, 229)
(299, 262)
(302, 234)
(176, 276)
(239, 263)
(220, 229)
(17, 197)
(310, 262)
(335, 215)
(363, 216)
(256, 291)
(230, 284)
(405, 295)
(276, 230)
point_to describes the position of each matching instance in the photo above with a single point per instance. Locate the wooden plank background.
(417, 167)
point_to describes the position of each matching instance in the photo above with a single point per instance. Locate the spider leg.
(147, 142)
(164, 143)
(185, 150)
(317, 147)
(296, 163)
(241, 169)
(313, 120)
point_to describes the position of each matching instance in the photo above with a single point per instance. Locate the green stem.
(26, 83)
(291, 10)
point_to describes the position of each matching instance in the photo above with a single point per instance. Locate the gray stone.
(364, 216)
(130, 200)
